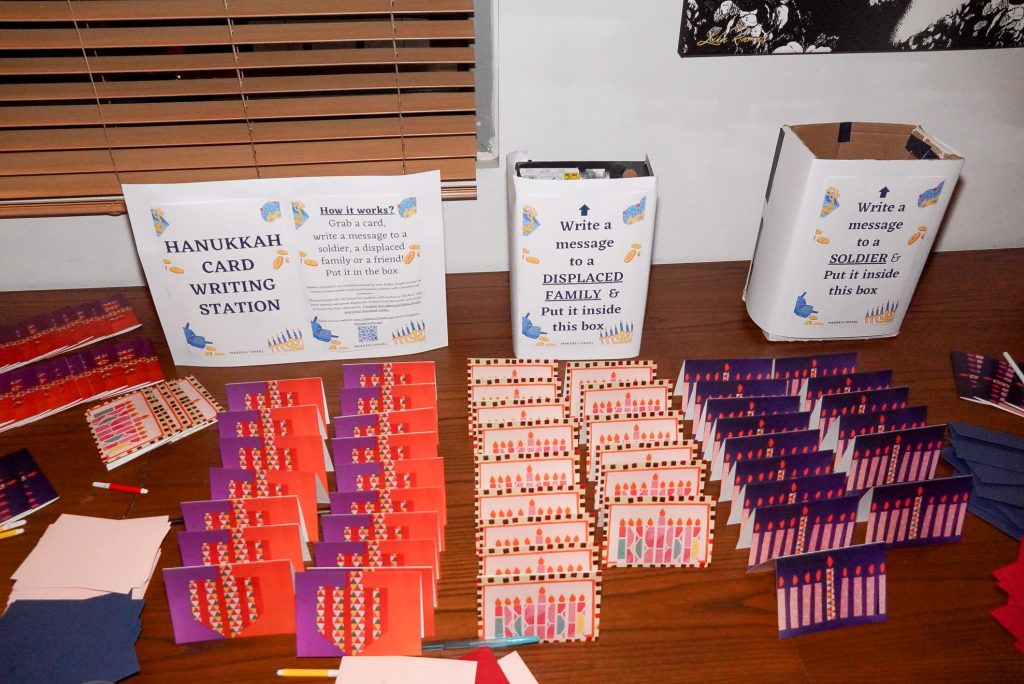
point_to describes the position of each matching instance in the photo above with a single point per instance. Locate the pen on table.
(12, 533)
(299, 672)
(13, 524)
(120, 487)
(1014, 366)
(507, 642)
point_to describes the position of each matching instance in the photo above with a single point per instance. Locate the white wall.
(599, 79)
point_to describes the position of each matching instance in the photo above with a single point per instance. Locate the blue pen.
(507, 642)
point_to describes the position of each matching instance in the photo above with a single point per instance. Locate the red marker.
(120, 488)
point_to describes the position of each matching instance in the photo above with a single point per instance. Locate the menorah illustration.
(620, 333)
(287, 341)
(550, 619)
(628, 404)
(665, 540)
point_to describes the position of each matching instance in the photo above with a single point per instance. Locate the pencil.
(12, 533)
(298, 672)
(1014, 366)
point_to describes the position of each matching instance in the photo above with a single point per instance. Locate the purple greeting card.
(848, 428)
(778, 492)
(831, 589)
(755, 447)
(797, 369)
(745, 426)
(891, 457)
(776, 468)
(818, 387)
(918, 513)
(801, 527)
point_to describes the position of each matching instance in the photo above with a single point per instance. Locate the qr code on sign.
(367, 333)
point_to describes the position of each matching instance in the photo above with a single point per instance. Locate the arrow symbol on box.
(883, 192)
(584, 210)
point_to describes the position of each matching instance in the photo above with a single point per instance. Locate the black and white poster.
(765, 27)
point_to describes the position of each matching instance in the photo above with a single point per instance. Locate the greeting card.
(305, 453)
(755, 447)
(234, 513)
(774, 469)
(917, 513)
(387, 374)
(602, 456)
(359, 611)
(546, 562)
(847, 428)
(790, 529)
(511, 369)
(667, 481)
(818, 387)
(244, 545)
(395, 525)
(246, 396)
(613, 398)
(890, 457)
(504, 439)
(414, 499)
(659, 533)
(832, 589)
(384, 399)
(831, 407)
(226, 483)
(284, 421)
(528, 506)
(24, 488)
(719, 389)
(628, 429)
(797, 370)
(374, 553)
(369, 424)
(421, 472)
(393, 447)
(213, 602)
(567, 533)
(579, 373)
(703, 370)
(489, 391)
(529, 473)
(745, 426)
(551, 607)
(516, 411)
(736, 407)
(775, 492)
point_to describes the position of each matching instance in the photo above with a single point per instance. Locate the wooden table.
(665, 625)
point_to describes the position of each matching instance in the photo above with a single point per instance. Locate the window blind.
(95, 93)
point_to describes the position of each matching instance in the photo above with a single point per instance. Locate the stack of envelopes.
(996, 460)
(74, 612)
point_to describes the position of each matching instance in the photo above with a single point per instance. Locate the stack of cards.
(74, 611)
(374, 588)
(37, 391)
(538, 562)
(996, 460)
(995, 381)
(241, 549)
(82, 557)
(64, 330)
(134, 423)
(24, 488)
(1011, 615)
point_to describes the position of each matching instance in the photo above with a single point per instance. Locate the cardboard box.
(580, 240)
(851, 213)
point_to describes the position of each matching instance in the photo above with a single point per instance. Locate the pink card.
(511, 369)
(503, 439)
(652, 453)
(529, 473)
(659, 533)
(498, 390)
(528, 505)
(525, 535)
(546, 562)
(520, 411)
(551, 607)
(579, 373)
